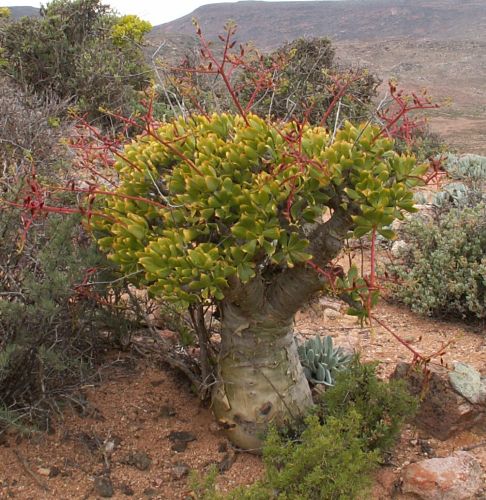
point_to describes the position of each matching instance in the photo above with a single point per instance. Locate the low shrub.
(423, 144)
(383, 407)
(330, 461)
(442, 270)
(50, 330)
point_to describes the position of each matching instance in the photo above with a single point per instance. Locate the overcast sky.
(155, 11)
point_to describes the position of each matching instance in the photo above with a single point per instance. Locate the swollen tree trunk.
(260, 379)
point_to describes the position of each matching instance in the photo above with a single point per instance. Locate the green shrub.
(304, 84)
(443, 264)
(78, 50)
(383, 407)
(329, 461)
(49, 334)
(204, 486)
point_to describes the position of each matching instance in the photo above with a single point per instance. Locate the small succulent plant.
(321, 360)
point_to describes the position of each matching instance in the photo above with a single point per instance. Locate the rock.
(182, 436)
(180, 470)
(466, 381)
(332, 315)
(443, 412)
(92, 442)
(167, 411)
(457, 477)
(138, 459)
(179, 446)
(426, 448)
(330, 303)
(44, 471)
(54, 472)
(126, 489)
(103, 487)
(150, 492)
(387, 478)
(226, 463)
(214, 428)
(482, 391)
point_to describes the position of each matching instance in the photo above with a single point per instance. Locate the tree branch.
(295, 286)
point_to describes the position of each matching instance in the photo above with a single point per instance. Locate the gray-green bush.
(442, 270)
(49, 334)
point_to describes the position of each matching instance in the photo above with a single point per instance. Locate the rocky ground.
(452, 71)
(142, 431)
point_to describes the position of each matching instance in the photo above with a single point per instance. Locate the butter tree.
(247, 216)
(250, 214)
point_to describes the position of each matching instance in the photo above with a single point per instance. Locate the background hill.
(438, 44)
(269, 24)
(17, 12)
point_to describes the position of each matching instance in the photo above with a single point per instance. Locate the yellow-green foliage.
(225, 186)
(129, 28)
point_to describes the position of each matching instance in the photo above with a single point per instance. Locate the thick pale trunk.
(260, 379)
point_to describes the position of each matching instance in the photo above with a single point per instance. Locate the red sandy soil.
(140, 403)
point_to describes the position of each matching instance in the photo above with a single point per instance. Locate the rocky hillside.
(269, 24)
(17, 12)
(437, 44)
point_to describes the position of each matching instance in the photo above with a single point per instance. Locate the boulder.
(457, 477)
(466, 381)
(443, 411)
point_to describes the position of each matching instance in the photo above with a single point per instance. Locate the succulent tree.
(247, 215)
(251, 214)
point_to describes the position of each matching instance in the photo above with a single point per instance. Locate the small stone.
(482, 391)
(331, 314)
(103, 487)
(138, 459)
(182, 436)
(55, 471)
(226, 463)
(466, 381)
(167, 411)
(180, 470)
(457, 477)
(330, 303)
(150, 492)
(126, 489)
(214, 427)
(426, 448)
(179, 446)
(44, 471)
(398, 248)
